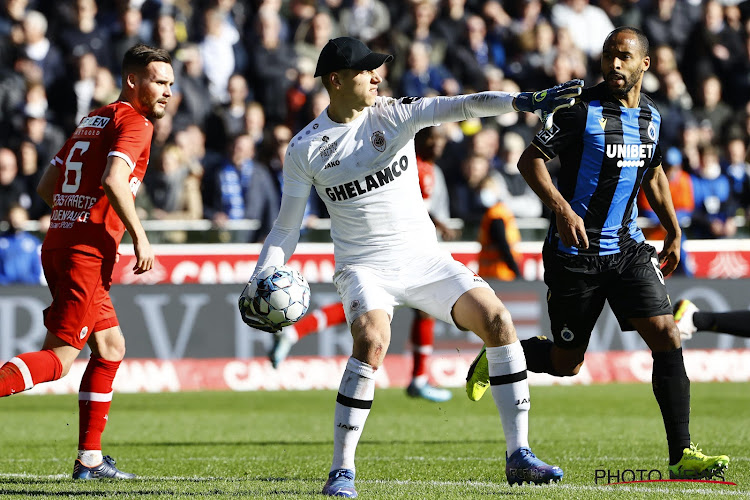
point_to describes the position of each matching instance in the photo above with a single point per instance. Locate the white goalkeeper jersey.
(366, 173)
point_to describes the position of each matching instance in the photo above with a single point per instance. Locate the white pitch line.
(720, 490)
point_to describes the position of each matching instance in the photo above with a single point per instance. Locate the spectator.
(127, 35)
(712, 109)
(713, 48)
(587, 24)
(479, 189)
(518, 197)
(365, 19)
(271, 67)
(192, 141)
(297, 95)
(422, 78)
(174, 189)
(569, 57)
(675, 106)
(39, 49)
(165, 34)
(228, 120)
(218, 54)
(311, 36)
(242, 188)
(452, 19)
(499, 237)
(106, 89)
(86, 35)
(668, 23)
(20, 263)
(683, 198)
(534, 66)
(195, 104)
(31, 168)
(690, 141)
(467, 58)
(12, 188)
(486, 143)
(255, 122)
(714, 209)
(737, 170)
(417, 25)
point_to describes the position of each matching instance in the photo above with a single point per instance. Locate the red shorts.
(79, 283)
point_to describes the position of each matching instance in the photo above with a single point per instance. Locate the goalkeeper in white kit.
(359, 155)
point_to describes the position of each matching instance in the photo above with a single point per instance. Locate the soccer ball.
(283, 295)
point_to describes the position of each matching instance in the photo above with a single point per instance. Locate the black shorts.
(578, 286)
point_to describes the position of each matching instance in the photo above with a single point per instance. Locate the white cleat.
(282, 344)
(683, 316)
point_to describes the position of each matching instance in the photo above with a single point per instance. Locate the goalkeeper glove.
(247, 311)
(545, 102)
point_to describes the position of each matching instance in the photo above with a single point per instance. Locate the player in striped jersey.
(608, 146)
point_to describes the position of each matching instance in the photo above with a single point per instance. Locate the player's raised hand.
(545, 102)
(247, 311)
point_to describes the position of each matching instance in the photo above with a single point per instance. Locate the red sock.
(314, 321)
(94, 399)
(422, 335)
(26, 370)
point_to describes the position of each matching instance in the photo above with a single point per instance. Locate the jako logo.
(331, 164)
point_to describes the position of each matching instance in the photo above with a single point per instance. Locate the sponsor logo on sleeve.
(545, 136)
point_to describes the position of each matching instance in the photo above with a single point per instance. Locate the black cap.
(348, 53)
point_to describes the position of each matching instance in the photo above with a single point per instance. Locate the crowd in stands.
(244, 86)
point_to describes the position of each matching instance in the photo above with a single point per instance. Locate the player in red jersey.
(91, 186)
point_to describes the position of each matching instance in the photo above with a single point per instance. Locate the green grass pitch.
(278, 445)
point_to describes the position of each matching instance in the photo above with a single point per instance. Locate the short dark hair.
(139, 56)
(643, 42)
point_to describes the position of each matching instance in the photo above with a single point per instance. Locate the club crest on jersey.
(652, 131)
(378, 140)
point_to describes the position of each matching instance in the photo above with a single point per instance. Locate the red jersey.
(426, 171)
(82, 218)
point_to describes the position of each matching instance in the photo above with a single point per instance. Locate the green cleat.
(478, 378)
(695, 465)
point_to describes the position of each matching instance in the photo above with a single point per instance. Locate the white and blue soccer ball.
(283, 295)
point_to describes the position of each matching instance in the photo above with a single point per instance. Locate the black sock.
(538, 352)
(734, 323)
(672, 390)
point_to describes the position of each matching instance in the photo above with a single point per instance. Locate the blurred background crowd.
(244, 86)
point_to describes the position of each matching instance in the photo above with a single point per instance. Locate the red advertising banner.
(233, 263)
(446, 370)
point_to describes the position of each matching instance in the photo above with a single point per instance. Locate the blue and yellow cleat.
(428, 392)
(105, 470)
(340, 484)
(524, 467)
(695, 465)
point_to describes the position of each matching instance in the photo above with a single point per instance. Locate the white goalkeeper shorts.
(432, 285)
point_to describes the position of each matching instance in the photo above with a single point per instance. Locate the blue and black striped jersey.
(605, 150)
